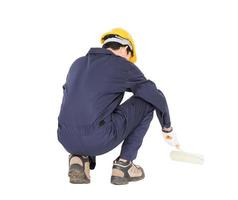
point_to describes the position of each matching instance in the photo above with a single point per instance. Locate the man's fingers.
(167, 137)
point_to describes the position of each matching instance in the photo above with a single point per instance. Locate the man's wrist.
(167, 130)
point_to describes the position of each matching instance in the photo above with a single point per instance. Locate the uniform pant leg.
(132, 119)
(134, 140)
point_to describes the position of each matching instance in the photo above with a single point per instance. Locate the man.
(92, 121)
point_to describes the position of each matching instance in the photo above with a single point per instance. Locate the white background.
(188, 48)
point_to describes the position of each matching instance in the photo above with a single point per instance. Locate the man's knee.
(136, 107)
(149, 106)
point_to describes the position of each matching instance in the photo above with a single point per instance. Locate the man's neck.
(116, 52)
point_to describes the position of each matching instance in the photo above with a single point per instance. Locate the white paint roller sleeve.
(186, 157)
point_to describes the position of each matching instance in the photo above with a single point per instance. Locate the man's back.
(94, 87)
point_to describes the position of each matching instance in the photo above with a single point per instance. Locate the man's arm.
(147, 90)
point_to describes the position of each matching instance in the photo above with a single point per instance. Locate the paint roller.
(180, 155)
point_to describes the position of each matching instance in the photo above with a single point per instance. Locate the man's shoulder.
(79, 60)
(123, 62)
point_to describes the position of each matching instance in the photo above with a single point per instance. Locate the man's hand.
(170, 137)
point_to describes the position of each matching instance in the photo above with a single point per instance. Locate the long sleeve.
(147, 90)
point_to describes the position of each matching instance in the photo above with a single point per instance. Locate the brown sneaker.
(79, 171)
(124, 171)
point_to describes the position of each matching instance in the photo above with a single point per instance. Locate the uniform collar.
(99, 51)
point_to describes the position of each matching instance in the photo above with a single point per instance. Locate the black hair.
(115, 45)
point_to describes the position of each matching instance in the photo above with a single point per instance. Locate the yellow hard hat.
(124, 35)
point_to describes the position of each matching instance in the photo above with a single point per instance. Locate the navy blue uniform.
(92, 121)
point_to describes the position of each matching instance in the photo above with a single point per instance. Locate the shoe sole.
(124, 181)
(119, 180)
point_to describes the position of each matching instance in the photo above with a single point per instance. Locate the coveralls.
(92, 121)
